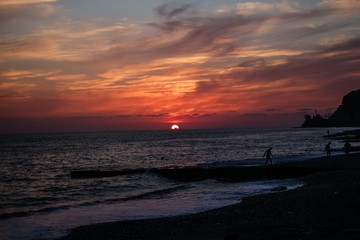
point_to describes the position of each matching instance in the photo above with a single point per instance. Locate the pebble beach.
(325, 207)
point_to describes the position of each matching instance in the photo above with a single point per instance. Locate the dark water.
(39, 199)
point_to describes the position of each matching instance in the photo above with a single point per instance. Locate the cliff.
(347, 114)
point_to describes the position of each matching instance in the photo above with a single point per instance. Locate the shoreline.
(325, 207)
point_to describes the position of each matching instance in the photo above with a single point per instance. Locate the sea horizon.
(160, 129)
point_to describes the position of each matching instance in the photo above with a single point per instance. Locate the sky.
(76, 65)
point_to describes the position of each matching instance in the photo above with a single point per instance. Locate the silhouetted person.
(347, 147)
(268, 156)
(327, 149)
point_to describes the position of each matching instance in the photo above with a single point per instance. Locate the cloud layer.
(203, 66)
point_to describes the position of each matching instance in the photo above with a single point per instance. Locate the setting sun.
(174, 127)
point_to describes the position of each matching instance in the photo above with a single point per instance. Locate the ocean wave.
(243, 173)
(153, 194)
(157, 194)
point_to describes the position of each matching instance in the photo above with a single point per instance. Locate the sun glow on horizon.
(175, 127)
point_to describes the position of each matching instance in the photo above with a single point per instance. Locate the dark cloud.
(207, 86)
(13, 13)
(197, 115)
(309, 30)
(169, 26)
(306, 68)
(252, 63)
(350, 45)
(271, 110)
(157, 115)
(204, 34)
(208, 115)
(170, 10)
(315, 13)
(254, 115)
(123, 116)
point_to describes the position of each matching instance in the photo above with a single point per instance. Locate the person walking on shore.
(327, 149)
(347, 147)
(268, 156)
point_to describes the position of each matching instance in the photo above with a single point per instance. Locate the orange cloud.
(22, 2)
(342, 4)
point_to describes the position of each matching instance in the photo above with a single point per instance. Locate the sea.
(40, 200)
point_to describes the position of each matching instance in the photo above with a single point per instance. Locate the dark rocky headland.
(346, 115)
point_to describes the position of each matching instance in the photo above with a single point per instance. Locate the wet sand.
(326, 207)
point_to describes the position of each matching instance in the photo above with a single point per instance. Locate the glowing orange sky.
(92, 66)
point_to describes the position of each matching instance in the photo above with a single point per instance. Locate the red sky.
(134, 65)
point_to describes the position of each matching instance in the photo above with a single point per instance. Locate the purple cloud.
(170, 10)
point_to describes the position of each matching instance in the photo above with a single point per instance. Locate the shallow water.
(39, 199)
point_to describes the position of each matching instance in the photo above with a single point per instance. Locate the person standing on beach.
(327, 149)
(268, 156)
(347, 147)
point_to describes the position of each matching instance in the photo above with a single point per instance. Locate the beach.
(325, 207)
